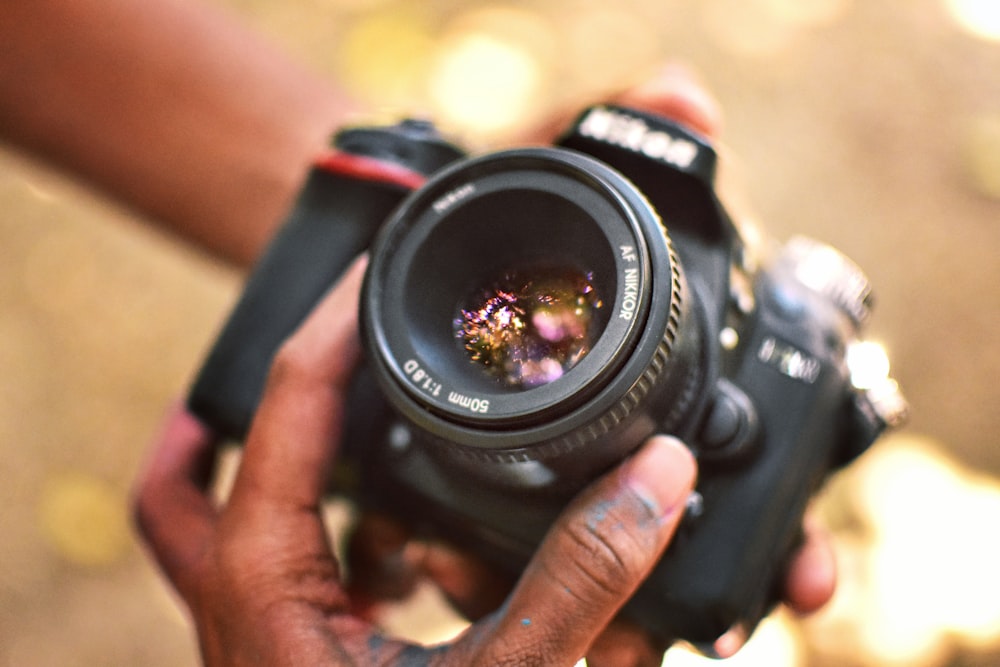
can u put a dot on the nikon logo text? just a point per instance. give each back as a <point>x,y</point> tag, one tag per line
<point>635,135</point>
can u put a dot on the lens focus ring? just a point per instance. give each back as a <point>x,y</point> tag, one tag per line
<point>530,212</point>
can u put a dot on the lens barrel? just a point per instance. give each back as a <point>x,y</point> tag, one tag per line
<point>529,212</point>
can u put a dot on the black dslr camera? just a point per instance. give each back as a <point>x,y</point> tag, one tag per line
<point>531,316</point>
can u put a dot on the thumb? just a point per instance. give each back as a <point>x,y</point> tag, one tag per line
<point>596,555</point>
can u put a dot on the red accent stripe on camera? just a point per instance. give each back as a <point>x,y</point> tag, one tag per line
<point>369,169</point>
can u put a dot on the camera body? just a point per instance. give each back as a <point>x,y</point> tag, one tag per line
<point>466,427</point>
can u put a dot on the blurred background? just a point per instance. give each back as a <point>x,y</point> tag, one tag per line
<point>872,125</point>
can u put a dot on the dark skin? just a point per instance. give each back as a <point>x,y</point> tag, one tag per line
<point>207,131</point>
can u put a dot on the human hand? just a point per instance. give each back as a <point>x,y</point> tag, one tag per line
<point>259,575</point>
<point>261,581</point>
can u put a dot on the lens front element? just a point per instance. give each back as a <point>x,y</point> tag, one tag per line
<point>528,328</point>
<point>520,297</point>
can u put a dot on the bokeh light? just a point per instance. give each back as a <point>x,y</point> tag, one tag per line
<point>978,17</point>
<point>384,56</point>
<point>490,68</point>
<point>482,81</point>
<point>83,518</point>
<point>930,517</point>
<point>868,363</point>
<point>919,574</point>
<point>776,643</point>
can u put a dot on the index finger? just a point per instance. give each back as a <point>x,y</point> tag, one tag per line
<point>170,503</point>
<point>293,438</point>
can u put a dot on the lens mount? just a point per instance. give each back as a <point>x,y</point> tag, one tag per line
<point>539,210</point>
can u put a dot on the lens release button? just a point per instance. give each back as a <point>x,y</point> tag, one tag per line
<point>723,423</point>
<point>730,428</point>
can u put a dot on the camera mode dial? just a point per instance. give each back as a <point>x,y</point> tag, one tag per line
<point>827,271</point>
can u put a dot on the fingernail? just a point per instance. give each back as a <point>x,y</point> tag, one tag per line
<point>184,433</point>
<point>181,422</point>
<point>663,474</point>
<point>730,643</point>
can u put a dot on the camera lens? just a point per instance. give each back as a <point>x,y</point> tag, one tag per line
<point>526,302</point>
<point>528,328</point>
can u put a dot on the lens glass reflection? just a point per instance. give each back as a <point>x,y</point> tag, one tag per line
<point>529,328</point>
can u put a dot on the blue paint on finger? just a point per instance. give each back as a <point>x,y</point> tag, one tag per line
<point>599,513</point>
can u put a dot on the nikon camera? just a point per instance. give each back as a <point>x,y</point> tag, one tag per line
<point>530,316</point>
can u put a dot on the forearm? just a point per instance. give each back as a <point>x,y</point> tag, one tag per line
<point>169,106</point>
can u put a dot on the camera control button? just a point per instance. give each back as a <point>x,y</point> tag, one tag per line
<point>828,272</point>
<point>730,427</point>
<point>723,423</point>
<point>694,508</point>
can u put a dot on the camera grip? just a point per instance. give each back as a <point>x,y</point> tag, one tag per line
<point>726,566</point>
<point>334,220</point>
